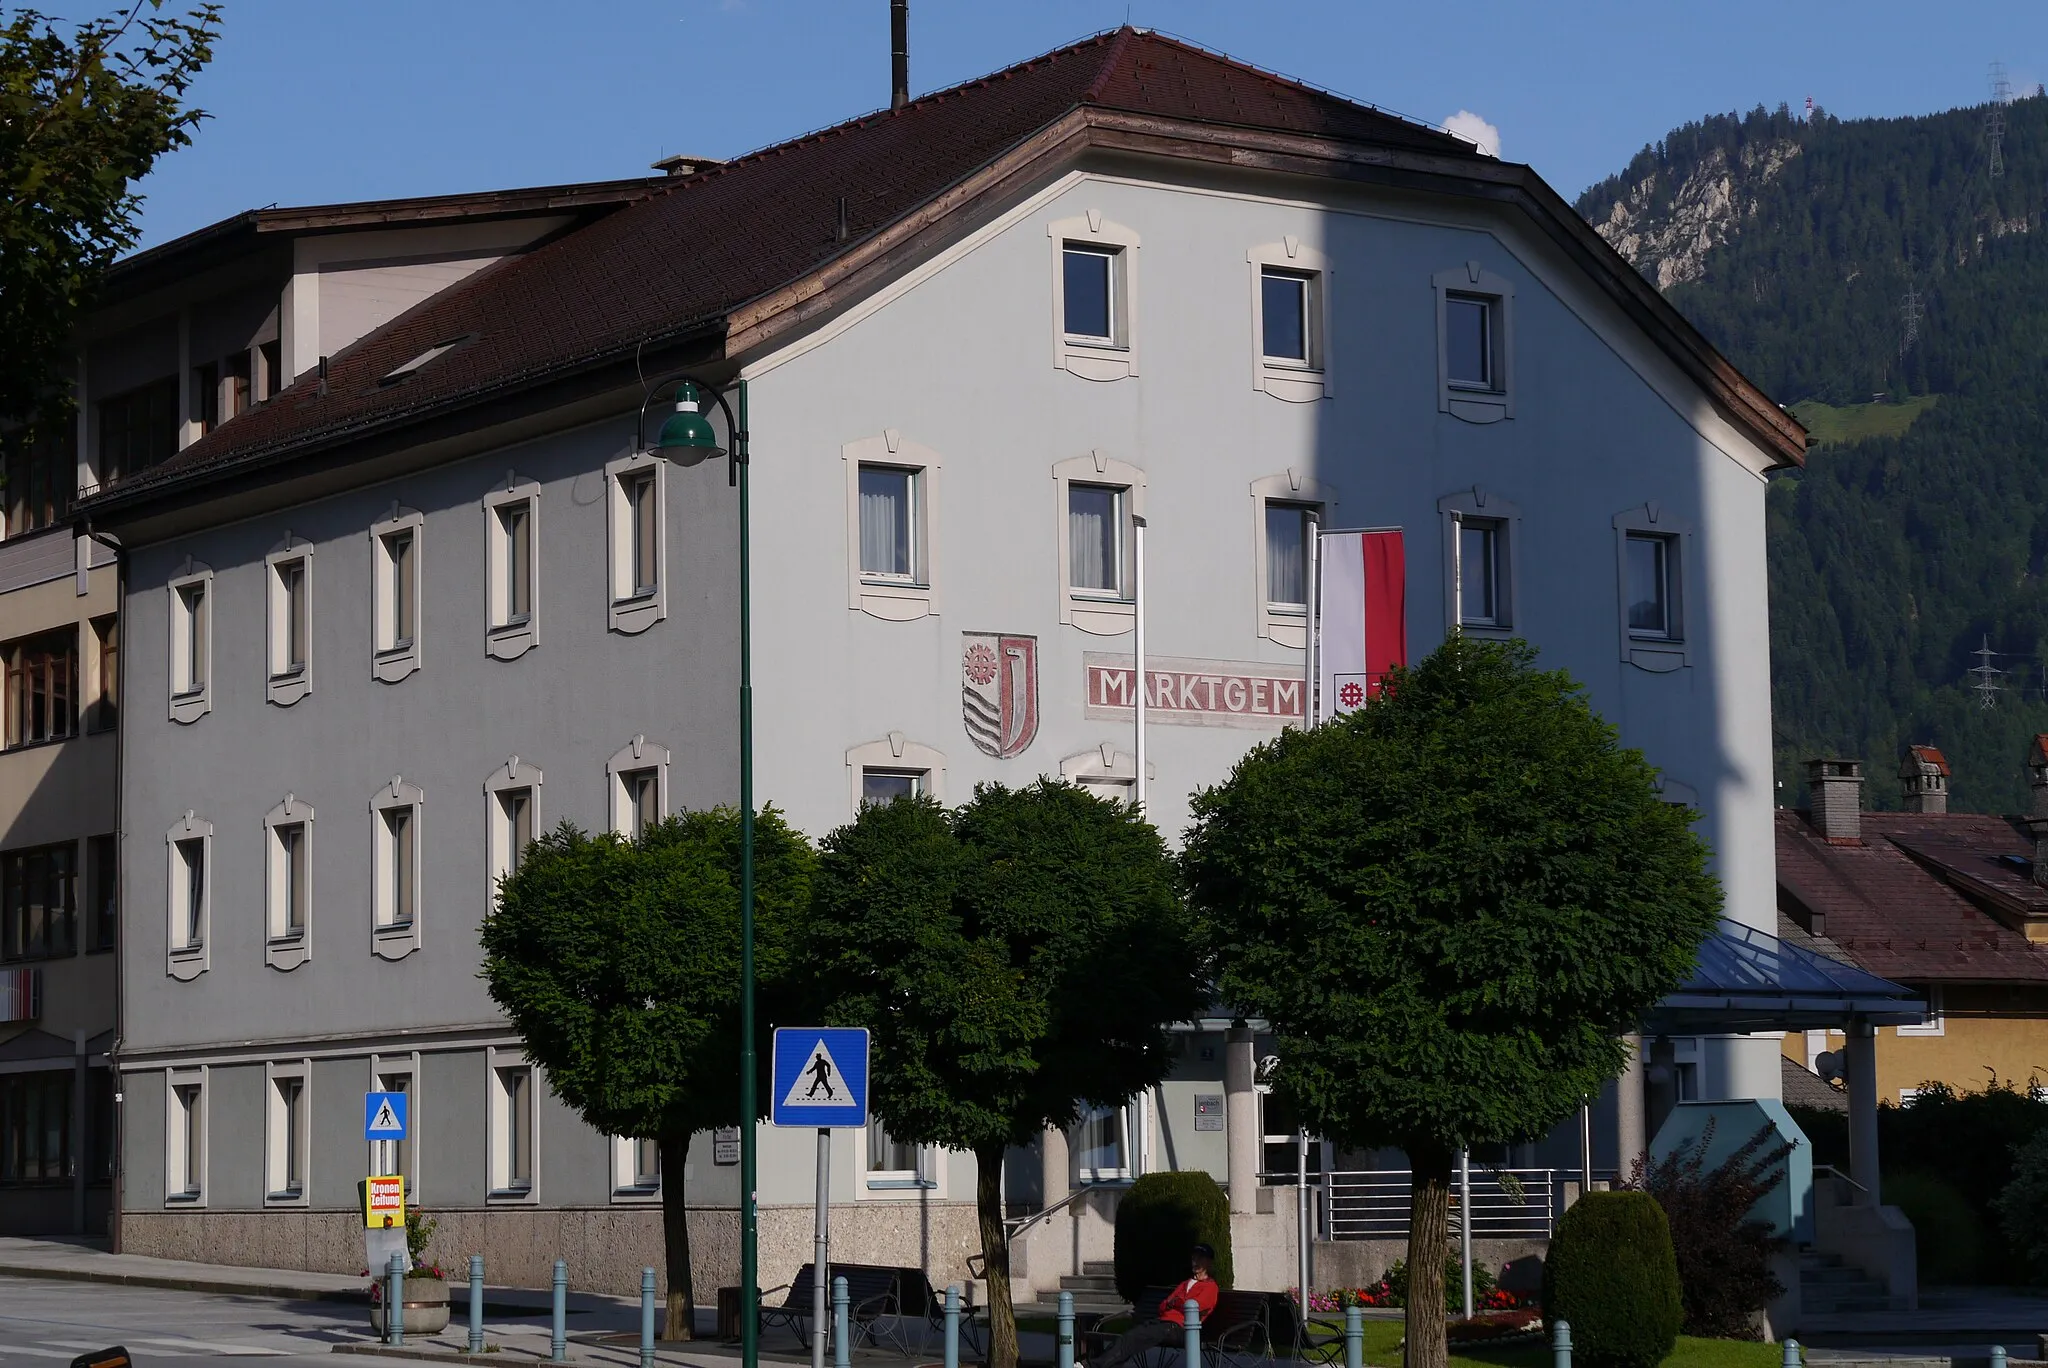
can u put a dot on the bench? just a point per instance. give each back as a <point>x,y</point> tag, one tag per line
<point>1238,1331</point>
<point>874,1293</point>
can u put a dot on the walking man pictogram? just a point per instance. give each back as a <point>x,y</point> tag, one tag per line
<point>821,1077</point>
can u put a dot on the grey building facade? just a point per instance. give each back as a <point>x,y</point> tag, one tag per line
<point>435,600</point>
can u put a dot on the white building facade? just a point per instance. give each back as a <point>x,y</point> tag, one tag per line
<point>434,602</point>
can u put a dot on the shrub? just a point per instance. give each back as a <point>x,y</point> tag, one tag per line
<point>1162,1217</point>
<point>1723,1255</point>
<point>1948,1233</point>
<point>1612,1274</point>
<point>2023,1207</point>
<point>1396,1283</point>
<point>1970,1141</point>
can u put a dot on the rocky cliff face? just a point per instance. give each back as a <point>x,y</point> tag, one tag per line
<point>1665,230</point>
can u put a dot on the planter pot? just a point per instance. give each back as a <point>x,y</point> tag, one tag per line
<point>426,1307</point>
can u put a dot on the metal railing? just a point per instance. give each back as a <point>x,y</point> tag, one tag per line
<point>1507,1204</point>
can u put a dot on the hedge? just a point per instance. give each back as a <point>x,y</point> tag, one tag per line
<point>1612,1274</point>
<point>1161,1218</point>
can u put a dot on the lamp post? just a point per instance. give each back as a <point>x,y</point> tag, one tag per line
<point>687,438</point>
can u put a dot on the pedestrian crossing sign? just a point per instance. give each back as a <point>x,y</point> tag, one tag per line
<point>820,1077</point>
<point>384,1116</point>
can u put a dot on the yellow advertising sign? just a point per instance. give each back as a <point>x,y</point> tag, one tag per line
<point>383,1202</point>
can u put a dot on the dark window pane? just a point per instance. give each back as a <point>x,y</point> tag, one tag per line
<point>1284,305</point>
<point>1468,341</point>
<point>1087,292</point>
<point>1649,607</point>
<point>138,429</point>
<point>886,786</point>
<point>1287,555</point>
<point>1476,576</point>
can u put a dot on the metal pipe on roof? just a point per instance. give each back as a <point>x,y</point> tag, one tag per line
<point>899,63</point>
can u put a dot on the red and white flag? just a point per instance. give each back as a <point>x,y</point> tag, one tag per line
<point>1363,585</point>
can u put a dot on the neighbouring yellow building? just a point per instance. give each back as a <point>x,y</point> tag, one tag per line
<point>1954,905</point>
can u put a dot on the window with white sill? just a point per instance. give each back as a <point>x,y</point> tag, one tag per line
<point>512,568</point>
<point>1291,284</point>
<point>1480,531</point>
<point>891,497</point>
<point>637,777</point>
<point>511,816</point>
<point>636,1168</point>
<point>1098,499</point>
<point>1094,297</point>
<point>288,884</point>
<point>395,816</point>
<point>191,642</point>
<point>513,1165</point>
<point>395,552</point>
<point>288,1147</point>
<point>185,1137</point>
<point>188,909</point>
<point>398,1074</point>
<point>289,626</point>
<point>1288,509</point>
<point>636,488</point>
<point>1475,354</point>
<point>1650,558</point>
<point>892,1165</point>
<point>892,768</point>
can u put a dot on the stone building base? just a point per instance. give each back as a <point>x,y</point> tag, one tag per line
<point>605,1247</point>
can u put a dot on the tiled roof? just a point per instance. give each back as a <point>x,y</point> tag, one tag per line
<point>1891,905</point>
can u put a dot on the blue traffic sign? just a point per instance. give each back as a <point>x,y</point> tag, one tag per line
<point>384,1116</point>
<point>820,1077</point>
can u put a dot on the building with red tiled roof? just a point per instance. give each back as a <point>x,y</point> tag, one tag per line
<point>1947,903</point>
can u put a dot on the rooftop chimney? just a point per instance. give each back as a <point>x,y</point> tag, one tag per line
<point>1923,780</point>
<point>683,164</point>
<point>899,40</point>
<point>2037,811</point>
<point>1837,795</point>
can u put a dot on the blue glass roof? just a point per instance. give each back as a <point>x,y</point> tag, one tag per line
<point>1750,980</point>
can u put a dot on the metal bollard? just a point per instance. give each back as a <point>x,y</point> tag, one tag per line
<point>842,1343</point>
<point>952,1325</point>
<point>1354,1337</point>
<point>646,1318</point>
<point>1066,1330</point>
<point>1561,1345</point>
<point>476,1303</point>
<point>558,1342</point>
<point>394,1299</point>
<point>1791,1358</point>
<point>1997,1356</point>
<point>1191,1338</point>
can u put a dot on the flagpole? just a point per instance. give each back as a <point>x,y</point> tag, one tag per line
<point>1310,664</point>
<point>1138,651</point>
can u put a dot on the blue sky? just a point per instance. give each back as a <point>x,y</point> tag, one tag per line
<point>329,101</point>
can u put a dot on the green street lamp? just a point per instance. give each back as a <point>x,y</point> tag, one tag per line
<point>688,439</point>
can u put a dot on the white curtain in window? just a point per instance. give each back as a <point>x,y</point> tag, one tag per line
<point>1092,514</point>
<point>885,522</point>
<point>1286,554</point>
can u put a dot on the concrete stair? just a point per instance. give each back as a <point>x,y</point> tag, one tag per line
<point>1827,1286</point>
<point>1093,1289</point>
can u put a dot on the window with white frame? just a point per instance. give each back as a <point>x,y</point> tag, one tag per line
<point>896,1164</point>
<point>1290,332</point>
<point>1098,499</point>
<point>395,556</point>
<point>1102,1145</point>
<point>637,777</point>
<point>891,490</point>
<point>1650,556</point>
<point>288,884</point>
<point>511,569</point>
<point>1475,344</point>
<point>191,609</point>
<point>189,906</point>
<point>894,767</point>
<point>636,497</point>
<point>398,1157</point>
<point>1106,772</point>
<point>512,1128</point>
<point>511,816</point>
<point>288,1149</point>
<point>1287,511</point>
<point>636,1168</point>
<point>1094,288</point>
<point>395,868</point>
<point>1935,1024</point>
<point>290,622</point>
<point>1479,530</point>
<point>185,1137</point>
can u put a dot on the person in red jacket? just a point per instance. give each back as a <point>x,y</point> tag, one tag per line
<point>1169,1329</point>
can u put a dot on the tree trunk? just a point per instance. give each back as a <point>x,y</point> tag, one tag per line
<point>995,1257</point>
<point>1429,1244</point>
<point>680,1317</point>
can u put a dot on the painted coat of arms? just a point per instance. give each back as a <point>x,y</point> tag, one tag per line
<point>999,691</point>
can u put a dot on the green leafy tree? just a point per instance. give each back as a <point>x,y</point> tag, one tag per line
<point>83,116</point>
<point>1013,958</point>
<point>1450,904</point>
<point>618,962</point>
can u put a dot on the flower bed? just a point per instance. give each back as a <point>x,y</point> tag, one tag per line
<point>1496,1327</point>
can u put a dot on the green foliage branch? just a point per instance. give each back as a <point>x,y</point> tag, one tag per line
<point>1450,904</point>
<point>1723,1252</point>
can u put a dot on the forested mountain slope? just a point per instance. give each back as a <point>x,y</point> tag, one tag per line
<point>1920,528</point>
